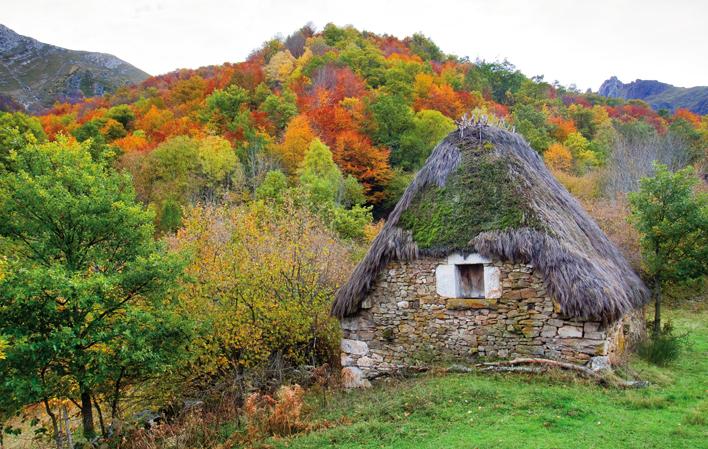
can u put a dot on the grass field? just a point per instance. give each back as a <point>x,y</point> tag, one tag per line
<point>522,411</point>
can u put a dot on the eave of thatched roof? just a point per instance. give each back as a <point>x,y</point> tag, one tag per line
<point>582,269</point>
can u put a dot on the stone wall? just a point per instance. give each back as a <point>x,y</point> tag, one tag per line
<point>404,322</point>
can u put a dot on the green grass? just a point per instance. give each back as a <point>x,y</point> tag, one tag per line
<point>520,411</point>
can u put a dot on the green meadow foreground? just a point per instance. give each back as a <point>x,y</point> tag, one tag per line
<point>520,411</point>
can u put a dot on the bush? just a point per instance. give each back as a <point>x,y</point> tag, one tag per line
<point>663,349</point>
<point>279,415</point>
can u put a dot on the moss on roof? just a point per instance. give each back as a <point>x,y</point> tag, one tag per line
<point>478,196</point>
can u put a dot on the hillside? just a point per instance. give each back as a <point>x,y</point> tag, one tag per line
<point>194,228</point>
<point>659,95</point>
<point>36,75</point>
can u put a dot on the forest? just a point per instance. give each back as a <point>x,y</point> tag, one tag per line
<point>177,244</point>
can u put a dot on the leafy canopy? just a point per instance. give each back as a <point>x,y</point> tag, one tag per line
<point>84,293</point>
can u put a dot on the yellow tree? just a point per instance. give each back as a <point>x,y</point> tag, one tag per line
<point>263,278</point>
<point>280,66</point>
<point>296,141</point>
<point>558,157</point>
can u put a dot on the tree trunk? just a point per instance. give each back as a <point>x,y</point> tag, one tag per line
<point>657,308</point>
<point>55,426</point>
<point>100,417</point>
<point>67,428</point>
<point>87,414</point>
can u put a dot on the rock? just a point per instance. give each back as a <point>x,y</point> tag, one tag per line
<point>345,359</point>
<point>355,347</point>
<point>350,323</point>
<point>466,304</point>
<point>599,363</point>
<point>365,362</point>
<point>354,378</point>
<point>402,304</point>
<point>548,331</point>
<point>570,332</point>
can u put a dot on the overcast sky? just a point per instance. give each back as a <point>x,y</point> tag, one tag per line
<point>572,41</point>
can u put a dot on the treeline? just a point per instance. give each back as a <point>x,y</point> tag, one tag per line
<point>183,238</point>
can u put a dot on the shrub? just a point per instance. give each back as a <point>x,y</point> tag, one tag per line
<point>279,415</point>
<point>664,348</point>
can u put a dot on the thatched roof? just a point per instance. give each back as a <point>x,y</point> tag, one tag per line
<point>489,192</point>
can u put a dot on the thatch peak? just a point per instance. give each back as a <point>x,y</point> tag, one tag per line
<point>483,189</point>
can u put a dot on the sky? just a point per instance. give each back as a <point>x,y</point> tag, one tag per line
<point>572,41</point>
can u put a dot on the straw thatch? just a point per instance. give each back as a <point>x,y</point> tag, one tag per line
<point>582,269</point>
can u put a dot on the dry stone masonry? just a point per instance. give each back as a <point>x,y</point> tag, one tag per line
<point>405,321</point>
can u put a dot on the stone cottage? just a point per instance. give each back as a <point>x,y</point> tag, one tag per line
<point>486,256</point>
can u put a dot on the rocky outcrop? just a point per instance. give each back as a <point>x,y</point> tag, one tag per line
<point>36,75</point>
<point>659,95</point>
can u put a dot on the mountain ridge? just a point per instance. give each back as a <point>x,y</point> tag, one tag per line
<point>35,74</point>
<point>658,94</point>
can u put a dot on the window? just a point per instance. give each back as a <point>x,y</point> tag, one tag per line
<point>467,277</point>
<point>470,278</point>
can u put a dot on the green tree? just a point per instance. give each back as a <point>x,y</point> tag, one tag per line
<point>273,186</point>
<point>173,169</point>
<point>226,110</point>
<point>531,123</point>
<point>329,193</point>
<point>392,117</point>
<point>280,109</point>
<point>16,131</point>
<point>425,48</point>
<point>84,301</point>
<point>319,175</point>
<point>170,217</point>
<point>673,222</point>
<point>429,128</point>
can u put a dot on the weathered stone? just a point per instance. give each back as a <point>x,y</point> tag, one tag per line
<point>590,326</point>
<point>408,316</point>
<point>350,323</point>
<point>465,304</point>
<point>346,359</point>
<point>570,332</point>
<point>353,377</point>
<point>549,331</point>
<point>354,347</point>
<point>599,363</point>
<point>365,362</point>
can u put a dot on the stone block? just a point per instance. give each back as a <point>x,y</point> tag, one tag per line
<point>350,323</point>
<point>591,326</point>
<point>365,362</point>
<point>527,293</point>
<point>549,331</point>
<point>355,347</point>
<point>570,332</point>
<point>599,363</point>
<point>467,304</point>
<point>346,359</point>
<point>353,377</point>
